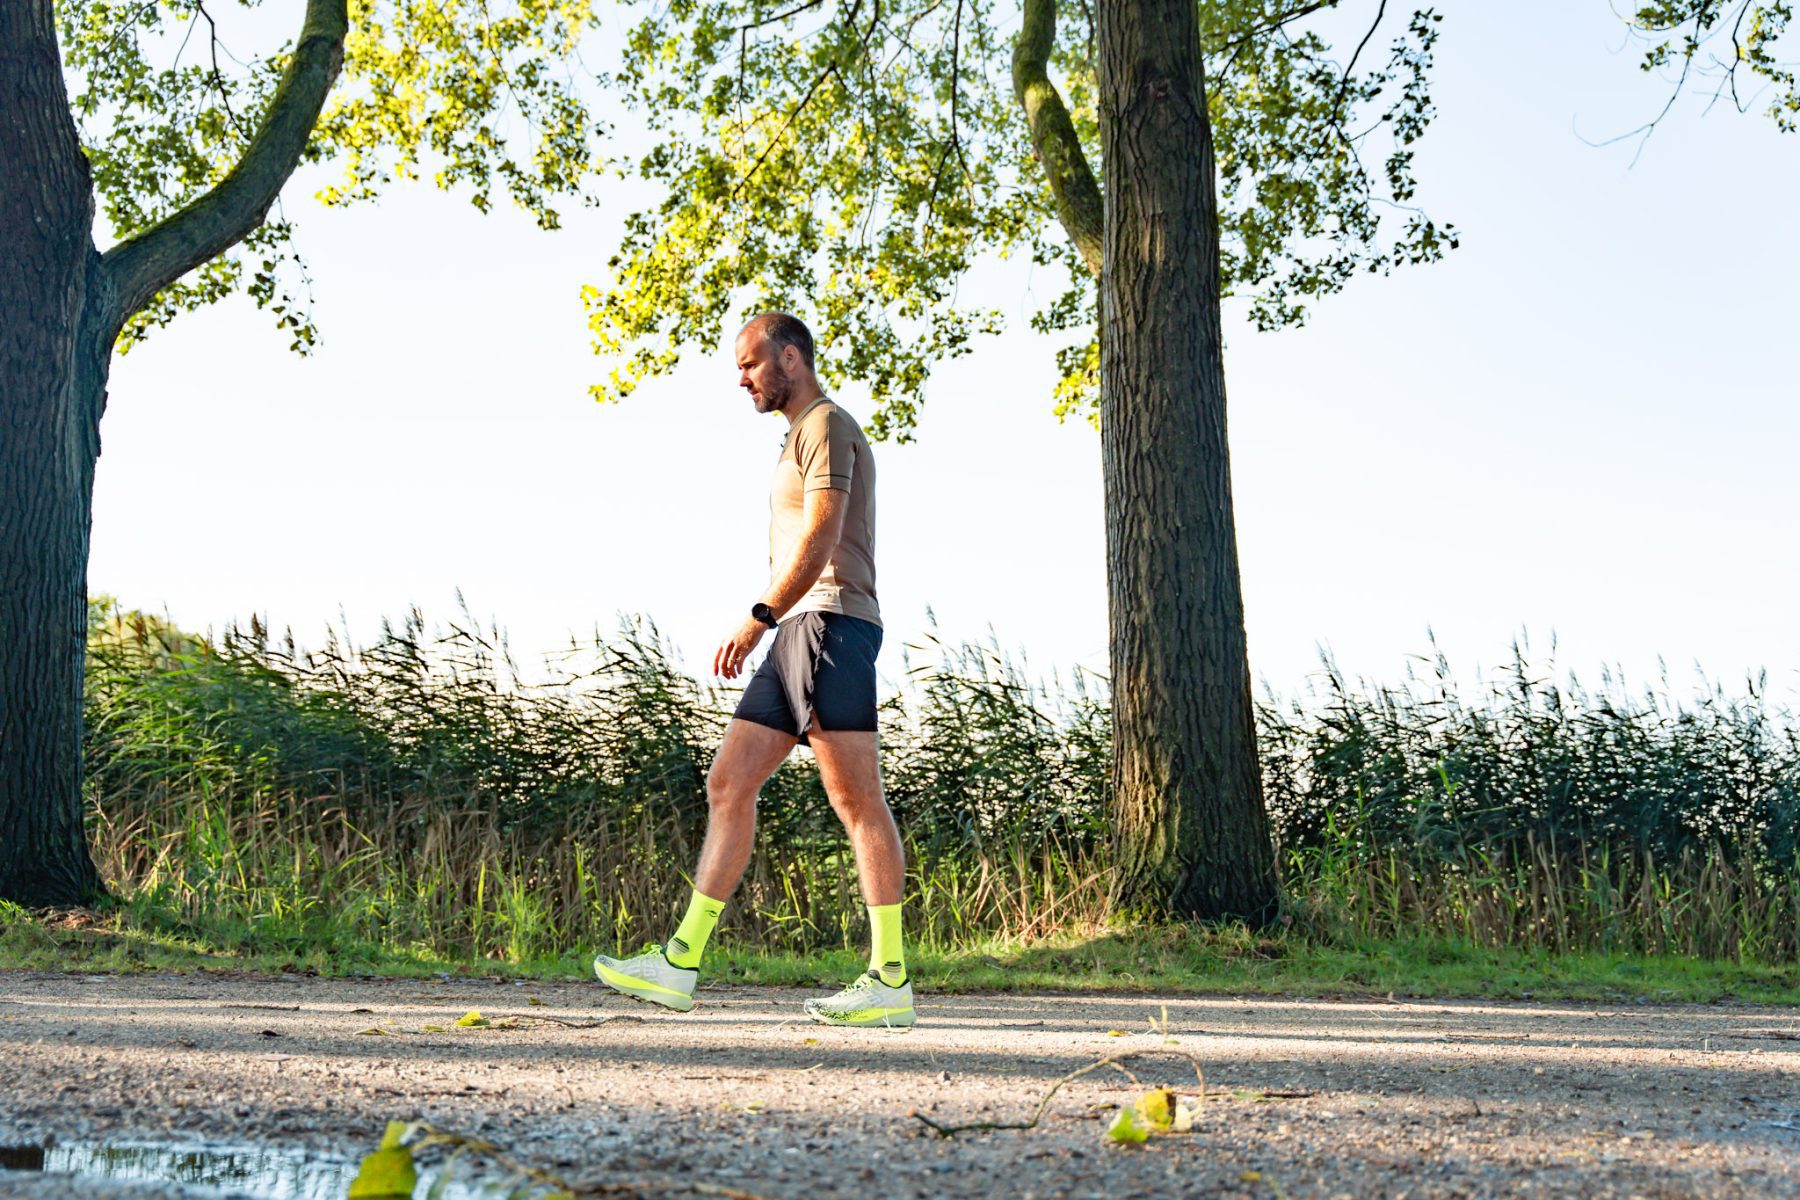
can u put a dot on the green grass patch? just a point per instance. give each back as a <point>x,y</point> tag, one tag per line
<point>1142,960</point>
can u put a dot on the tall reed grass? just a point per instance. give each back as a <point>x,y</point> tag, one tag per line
<point>420,792</point>
<point>1530,812</point>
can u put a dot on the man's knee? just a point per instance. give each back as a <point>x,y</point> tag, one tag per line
<point>727,797</point>
<point>854,807</point>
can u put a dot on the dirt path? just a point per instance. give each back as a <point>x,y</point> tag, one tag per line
<point>1306,1098</point>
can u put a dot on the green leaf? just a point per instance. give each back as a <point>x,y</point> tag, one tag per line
<point>472,1020</point>
<point>385,1174</point>
<point>394,1134</point>
<point>1127,1128</point>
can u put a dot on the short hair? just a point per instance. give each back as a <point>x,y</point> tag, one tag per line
<point>780,330</point>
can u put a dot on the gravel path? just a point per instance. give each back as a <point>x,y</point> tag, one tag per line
<point>1305,1098</point>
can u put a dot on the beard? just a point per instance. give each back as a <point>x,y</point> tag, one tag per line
<point>774,395</point>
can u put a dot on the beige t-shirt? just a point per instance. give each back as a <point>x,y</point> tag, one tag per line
<point>825,448</point>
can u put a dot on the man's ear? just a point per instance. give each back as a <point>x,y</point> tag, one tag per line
<point>791,362</point>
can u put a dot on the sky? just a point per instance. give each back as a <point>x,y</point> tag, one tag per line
<point>1580,428</point>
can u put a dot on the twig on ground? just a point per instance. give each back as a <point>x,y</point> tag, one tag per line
<point>615,1019</point>
<point>1043,1104</point>
<point>1257,1094</point>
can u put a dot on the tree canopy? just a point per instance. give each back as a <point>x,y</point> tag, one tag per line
<point>850,159</point>
<point>1729,48</point>
<point>486,95</point>
<point>856,159</point>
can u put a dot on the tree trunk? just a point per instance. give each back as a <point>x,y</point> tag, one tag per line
<point>53,361</point>
<point>1191,837</point>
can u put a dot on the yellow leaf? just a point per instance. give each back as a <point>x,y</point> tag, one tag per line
<point>1126,1128</point>
<point>372,1031</point>
<point>1117,1033</point>
<point>1158,1108</point>
<point>432,1029</point>
<point>471,1020</point>
<point>385,1174</point>
<point>533,1000</point>
<point>1250,1177</point>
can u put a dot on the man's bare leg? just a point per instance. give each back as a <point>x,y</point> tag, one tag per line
<point>667,974</point>
<point>850,768</point>
<point>746,759</point>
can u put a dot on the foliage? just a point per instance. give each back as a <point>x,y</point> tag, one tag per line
<point>853,161</point>
<point>1730,46</point>
<point>418,796</point>
<point>480,92</point>
<point>849,160</point>
<point>1531,760</point>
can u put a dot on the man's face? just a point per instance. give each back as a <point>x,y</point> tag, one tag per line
<point>761,372</point>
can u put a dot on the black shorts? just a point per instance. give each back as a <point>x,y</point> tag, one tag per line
<point>820,673</point>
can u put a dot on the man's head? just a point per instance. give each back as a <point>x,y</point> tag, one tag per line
<point>775,356</point>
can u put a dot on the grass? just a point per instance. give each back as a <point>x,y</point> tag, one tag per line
<point>1140,960</point>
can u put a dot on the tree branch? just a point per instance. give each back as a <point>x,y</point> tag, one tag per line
<point>142,266</point>
<point>1072,183</point>
<point>1337,105</point>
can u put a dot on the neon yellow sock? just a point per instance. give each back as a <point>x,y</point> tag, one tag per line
<point>684,948</point>
<point>886,958</point>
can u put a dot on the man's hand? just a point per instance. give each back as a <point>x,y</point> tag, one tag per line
<point>728,659</point>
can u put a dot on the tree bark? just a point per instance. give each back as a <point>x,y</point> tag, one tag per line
<point>1191,836</point>
<point>62,305</point>
<point>52,386</point>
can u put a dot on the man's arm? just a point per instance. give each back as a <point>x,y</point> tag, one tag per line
<point>825,509</point>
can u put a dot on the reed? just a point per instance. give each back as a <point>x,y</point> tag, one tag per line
<point>420,794</point>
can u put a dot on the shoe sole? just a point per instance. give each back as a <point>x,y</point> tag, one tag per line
<point>903,1019</point>
<point>638,989</point>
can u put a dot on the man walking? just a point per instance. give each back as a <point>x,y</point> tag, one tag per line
<point>817,686</point>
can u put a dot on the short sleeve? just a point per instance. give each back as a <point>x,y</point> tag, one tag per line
<point>825,452</point>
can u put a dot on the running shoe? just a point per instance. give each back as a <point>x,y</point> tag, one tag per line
<point>866,1002</point>
<point>650,976</point>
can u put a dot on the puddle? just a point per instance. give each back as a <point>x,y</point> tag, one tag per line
<point>253,1171</point>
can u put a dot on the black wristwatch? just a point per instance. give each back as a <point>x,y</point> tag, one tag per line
<point>765,614</point>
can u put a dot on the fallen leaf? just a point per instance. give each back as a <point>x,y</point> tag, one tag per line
<point>472,1020</point>
<point>372,1031</point>
<point>385,1174</point>
<point>1126,1128</point>
<point>1117,1033</point>
<point>1157,1108</point>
